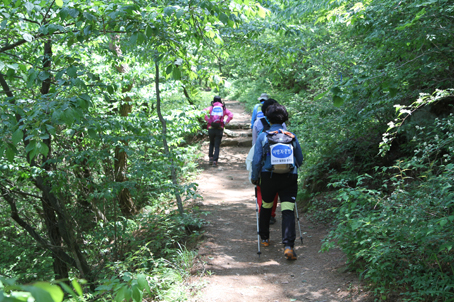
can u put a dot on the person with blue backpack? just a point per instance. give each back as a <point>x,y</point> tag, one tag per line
<point>261,125</point>
<point>215,125</point>
<point>257,112</point>
<point>277,157</point>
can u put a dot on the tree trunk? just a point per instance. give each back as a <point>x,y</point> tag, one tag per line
<point>166,147</point>
<point>60,268</point>
<point>56,219</point>
<point>125,201</point>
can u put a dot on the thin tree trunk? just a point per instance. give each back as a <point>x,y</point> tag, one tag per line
<point>166,147</point>
<point>188,98</point>
<point>56,219</point>
<point>61,270</point>
<point>125,201</point>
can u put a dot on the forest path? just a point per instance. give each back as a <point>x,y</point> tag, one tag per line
<point>229,250</point>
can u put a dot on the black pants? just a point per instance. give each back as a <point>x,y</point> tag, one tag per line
<point>215,142</point>
<point>286,185</point>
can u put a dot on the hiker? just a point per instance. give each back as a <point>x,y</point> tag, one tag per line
<point>257,112</point>
<point>260,125</point>
<point>277,178</point>
<point>215,125</point>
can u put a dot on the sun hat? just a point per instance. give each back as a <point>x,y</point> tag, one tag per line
<point>263,96</point>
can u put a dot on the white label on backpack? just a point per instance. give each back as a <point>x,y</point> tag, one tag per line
<point>217,111</point>
<point>281,154</point>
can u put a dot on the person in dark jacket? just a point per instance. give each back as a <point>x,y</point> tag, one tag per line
<point>271,182</point>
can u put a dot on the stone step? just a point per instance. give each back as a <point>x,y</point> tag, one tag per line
<point>236,142</point>
<point>243,125</point>
<point>231,133</point>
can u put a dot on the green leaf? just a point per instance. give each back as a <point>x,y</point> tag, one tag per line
<point>127,294</point>
<point>224,19</point>
<point>338,101</point>
<point>180,13</point>
<point>141,37</point>
<point>392,92</point>
<point>77,287</point>
<point>59,2</point>
<point>142,282</point>
<point>149,32</point>
<point>261,12</point>
<point>54,290</point>
<point>176,73</point>
<point>17,136</point>
<point>39,294</point>
<point>320,95</point>
<point>169,10</point>
<point>31,146</point>
<point>169,69</point>
<point>120,297</point>
<point>92,133</point>
<point>67,289</point>
<point>42,148</point>
<point>71,71</point>
<point>10,152</point>
<point>43,75</point>
<point>336,90</point>
<point>136,294</point>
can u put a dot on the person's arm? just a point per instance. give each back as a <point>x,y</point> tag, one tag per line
<point>257,160</point>
<point>254,134</point>
<point>254,115</point>
<point>229,115</point>
<point>298,153</point>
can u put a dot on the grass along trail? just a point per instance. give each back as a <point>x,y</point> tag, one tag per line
<point>236,273</point>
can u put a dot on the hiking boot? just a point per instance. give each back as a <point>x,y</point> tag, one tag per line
<point>289,253</point>
<point>272,220</point>
<point>211,161</point>
<point>215,164</point>
<point>265,242</point>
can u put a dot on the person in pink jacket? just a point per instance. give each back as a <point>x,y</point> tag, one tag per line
<point>215,125</point>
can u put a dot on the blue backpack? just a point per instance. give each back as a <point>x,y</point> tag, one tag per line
<point>278,151</point>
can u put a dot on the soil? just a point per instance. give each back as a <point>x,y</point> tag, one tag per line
<point>230,268</point>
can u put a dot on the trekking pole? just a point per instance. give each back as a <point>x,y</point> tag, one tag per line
<point>257,215</point>
<point>298,219</point>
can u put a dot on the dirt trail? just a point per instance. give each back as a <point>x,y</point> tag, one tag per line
<point>229,250</point>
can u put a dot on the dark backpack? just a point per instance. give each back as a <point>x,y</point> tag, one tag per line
<point>280,150</point>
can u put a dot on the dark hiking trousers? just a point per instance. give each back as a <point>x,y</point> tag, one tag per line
<point>286,185</point>
<point>215,142</point>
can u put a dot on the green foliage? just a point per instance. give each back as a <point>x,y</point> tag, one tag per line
<point>343,69</point>
<point>80,132</point>
<point>40,291</point>
<point>400,237</point>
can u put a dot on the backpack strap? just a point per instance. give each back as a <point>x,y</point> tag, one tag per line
<point>265,124</point>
